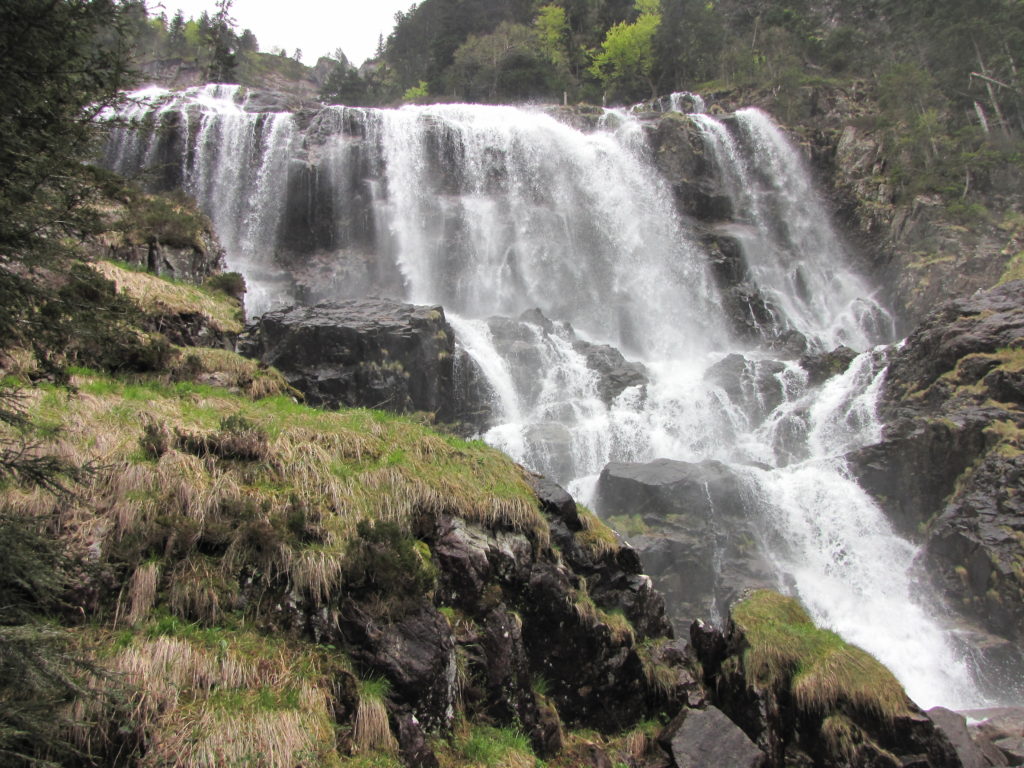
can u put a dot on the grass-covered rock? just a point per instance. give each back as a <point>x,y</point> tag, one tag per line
<point>807,697</point>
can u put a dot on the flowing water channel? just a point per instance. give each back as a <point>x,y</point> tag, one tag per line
<point>495,211</point>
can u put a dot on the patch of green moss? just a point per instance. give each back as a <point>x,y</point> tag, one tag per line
<point>821,670</point>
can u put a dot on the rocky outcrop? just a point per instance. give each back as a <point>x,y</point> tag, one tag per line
<point>924,253</point>
<point>370,353</point>
<point>951,460</point>
<point>689,523</point>
<point>753,680</point>
<point>707,737</point>
<point>506,596</point>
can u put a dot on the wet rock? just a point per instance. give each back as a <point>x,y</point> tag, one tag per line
<point>982,323</point>
<point>824,365</point>
<point>697,738</point>
<point>754,386</point>
<point>679,153</point>
<point>701,545</point>
<point>372,353</point>
<point>954,727</point>
<point>951,459</point>
<point>1003,729</point>
<point>527,344</point>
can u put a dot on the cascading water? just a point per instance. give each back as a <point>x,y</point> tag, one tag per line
<point>497,211</point>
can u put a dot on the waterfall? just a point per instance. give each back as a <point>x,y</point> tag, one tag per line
<point>545,243</point>
<point>796,257</point>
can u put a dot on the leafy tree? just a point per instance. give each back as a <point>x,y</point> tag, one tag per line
<point>345,86</point>
<point>503,65</point>
<point>554,35</point>
<point>64,62</point>
<point>625,63</point>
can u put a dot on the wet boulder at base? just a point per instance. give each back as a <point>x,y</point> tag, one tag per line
<point>691,526</point>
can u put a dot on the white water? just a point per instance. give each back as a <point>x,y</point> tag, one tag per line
<point>493,211</point>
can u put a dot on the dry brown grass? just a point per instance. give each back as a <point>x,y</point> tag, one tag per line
<point>155,295</point>
<point>220,367</point>
<point>596,537</point>
<point>372,730</point>
<point>285,517</point>
<point>142,591</point>
<point>221,699</point>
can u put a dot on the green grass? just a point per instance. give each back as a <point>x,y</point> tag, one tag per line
<point>821,670</point>
<point>484,746</point>
<point>629,525</point>
<point>595,537</point>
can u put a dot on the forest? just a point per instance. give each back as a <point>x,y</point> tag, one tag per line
<point>942,78</point>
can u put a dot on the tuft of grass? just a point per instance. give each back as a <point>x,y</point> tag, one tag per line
<point>484,746</point>
<point>142,590</point>
<point>629,525</point>
<point>660,677</point>
<point>595,537</point>
<point>228,369</point>
<point>157,296</point>
<point>821,670</point>
<point>372,730</point>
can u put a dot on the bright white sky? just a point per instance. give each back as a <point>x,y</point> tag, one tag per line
<point>318,27</point>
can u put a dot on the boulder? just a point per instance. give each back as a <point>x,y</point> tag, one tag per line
<point>706,737</point>
<point>753,386</point>
<point>701,548</point>
<point>824,365</point>
<point>1001,729</point>
<point>370,353</point>
<point>954,727</point>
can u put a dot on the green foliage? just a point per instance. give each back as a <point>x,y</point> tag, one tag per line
<point>625,63</point>
<point>229,283</point>
<point>504,65</point>
<point>39,671</point>
<point>489,747</point>
<point>345,86</point>
<point>416,92</point>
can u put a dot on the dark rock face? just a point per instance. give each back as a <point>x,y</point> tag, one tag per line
<point>825,365</point>
<point>949,467</point>
<point>697,738</point>
<point>372,353</point>
<point>788,735</point>
<point>701,548</point>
